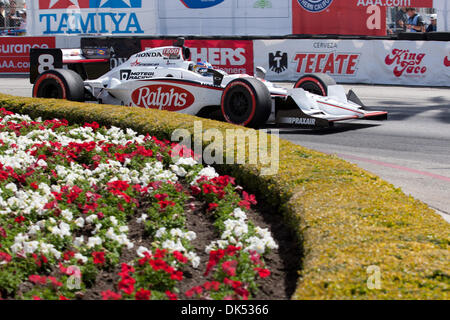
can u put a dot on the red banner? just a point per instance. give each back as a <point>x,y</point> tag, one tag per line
<point>15,52</point>
<point>345,17</point>
<point>231,56</point>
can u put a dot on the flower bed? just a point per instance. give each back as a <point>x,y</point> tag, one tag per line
<point>68,194</point>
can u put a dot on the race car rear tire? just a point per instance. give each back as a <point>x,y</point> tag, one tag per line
<point>246,102</point>
<point>59,84</point>
<point>316,83</point>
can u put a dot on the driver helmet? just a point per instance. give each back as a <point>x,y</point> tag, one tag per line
<point>202,67</point>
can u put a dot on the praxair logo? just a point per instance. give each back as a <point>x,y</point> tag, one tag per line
<point>315,5</point>
<point>201,4</point>
<point>101,20</point>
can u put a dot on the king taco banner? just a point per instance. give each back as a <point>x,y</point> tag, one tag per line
<point>357,61</point>
<point>77,17</point>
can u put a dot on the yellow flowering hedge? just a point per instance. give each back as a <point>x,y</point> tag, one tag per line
<point>350,223</point>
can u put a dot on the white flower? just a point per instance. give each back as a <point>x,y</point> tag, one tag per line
<point>239,214</point>
<point>41,163</point>
<point>78,242</point>
<point>176,233</point>
<point>113,220</point>
<point>79,256</point>
<point>67,214</point>
<point>11,186</point>
<point>190,235</point>
<point>91,218</point>
<point>142,250</point>
<point>79,222</point>
<point>186,162</point>
<point>142,218</point>
<point>94,241</point>
<point>160,233</point>
<point>179,171</point>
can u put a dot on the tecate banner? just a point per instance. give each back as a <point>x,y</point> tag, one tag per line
<point>75,17</point>
<point>231,56</point>
<point>357,61</point>
<point>15,52</point>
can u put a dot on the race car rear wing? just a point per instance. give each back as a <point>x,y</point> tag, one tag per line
<point>91,67</point>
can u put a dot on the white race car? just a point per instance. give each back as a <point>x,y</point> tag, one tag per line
<point>165,79</point>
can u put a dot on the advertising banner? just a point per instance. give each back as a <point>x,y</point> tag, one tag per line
<point>357,61</point>
<point>15,52</point>
<point>232,56</point>
<point>225,17</point>
<point>77,17</point>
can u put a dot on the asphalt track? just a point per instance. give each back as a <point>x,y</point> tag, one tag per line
<point>411,150</point>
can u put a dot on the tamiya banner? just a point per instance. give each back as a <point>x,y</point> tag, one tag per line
<point>357,61</point>
<point>15,52</point>
<point>231,56</point>
<point>78,17</point>
<point>225,17</point>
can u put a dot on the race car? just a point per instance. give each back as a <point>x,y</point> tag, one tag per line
<point>164,78</point>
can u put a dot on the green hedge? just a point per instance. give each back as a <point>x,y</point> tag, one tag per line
<point>346,218</point>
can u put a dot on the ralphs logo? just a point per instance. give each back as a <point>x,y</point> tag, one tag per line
<point>162,97</point>
<point>315,5</point>
<point>201,4</point>
<point>343,64</point>
<point>406,63</point>
<point>102,20</point>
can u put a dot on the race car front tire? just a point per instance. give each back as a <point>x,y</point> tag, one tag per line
<point>316,83</point>
<point>59,84</point>
<point>246,102</point>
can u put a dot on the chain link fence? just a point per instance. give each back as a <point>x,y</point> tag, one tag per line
<point>13,17</point>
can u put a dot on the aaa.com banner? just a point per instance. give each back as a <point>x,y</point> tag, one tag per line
<point>75,17</point>
<point>15,52</point>
<point>357,61</point>
<point>231,56</point>
<point>346,17</point>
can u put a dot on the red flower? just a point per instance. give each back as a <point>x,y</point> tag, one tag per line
<point>34,185</point>
<point>194,291</point>
<point>214,258</point>
<point>118,185</point>
<point>68,255</point>
<point>5,257</point>
<point>127,268</point>
<point>171,296</point>
<point>2,233</point>
<point>180,257</point>
<point>100,215</point>
<point>37,279</point>
<point>55,281</point>
<point>229,267</point>
<point>248,200</point>
<point>161,197</point>
<point>195,190</point>
<point>178,276</point>
<point>99,257</point>
<point>232,250</point>
<point>212,206</point>
<point>142,294</point>
<point>164,204</point>
<point>210,286</point>
<point>158,264</point>
<point>36,298</point>
<point>109,295</point>
<point>127,285</point>
<point>242,292</point>
<point>263,273</point>
<point>94,125</point>
<point>20,219</point>
<point>63,298</point>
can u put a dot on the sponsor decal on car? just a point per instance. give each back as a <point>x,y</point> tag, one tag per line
<point>162,97</point>
<point>155,54</point>
<point>278,62</point>
<point>107,18</point>
<point>344,64</point>
<point>172,53</point>
<point>406,63</point>
<point>131,75</point>
<point>231,56</point>
<point>298,121</point>
<point>315,5</point>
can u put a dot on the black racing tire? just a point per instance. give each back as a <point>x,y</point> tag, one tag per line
<point>246,102</point>
<point>316,83</point>
<point>59,84</point>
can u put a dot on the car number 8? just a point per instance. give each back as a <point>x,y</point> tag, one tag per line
<point>46,62</point>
